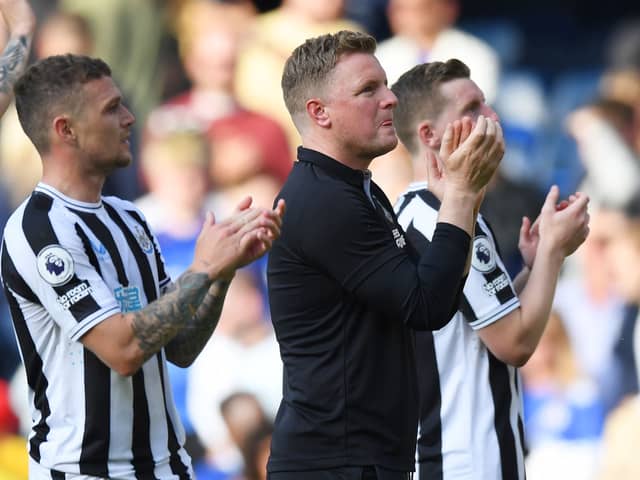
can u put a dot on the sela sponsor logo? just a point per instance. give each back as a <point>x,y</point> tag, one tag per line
<point>99,249</point>
<point>399,238</point>
<point>128,298</point>
<point>483,257</point>
<point>55,265</point>
<point>73,296</point>
<point>143,239</point>
<point>496,284</point>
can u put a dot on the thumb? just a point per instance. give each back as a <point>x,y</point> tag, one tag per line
<point>210,218</point>
<point>552,199</point>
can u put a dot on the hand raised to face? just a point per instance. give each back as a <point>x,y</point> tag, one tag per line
<point>469,163</point>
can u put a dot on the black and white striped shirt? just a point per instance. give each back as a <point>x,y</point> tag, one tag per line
<point>67,266</point>
<point>470,403</point>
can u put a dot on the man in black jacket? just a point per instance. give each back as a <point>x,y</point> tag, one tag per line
<point>346,290</point>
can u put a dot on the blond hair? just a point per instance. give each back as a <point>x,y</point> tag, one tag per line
<point>310,64</point>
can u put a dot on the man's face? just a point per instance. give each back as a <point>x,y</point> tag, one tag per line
<point>462,98</point>
<point>360,107</point>
<point>103,126</point>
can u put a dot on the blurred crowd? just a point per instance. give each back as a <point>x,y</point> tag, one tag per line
<point>203,79</point>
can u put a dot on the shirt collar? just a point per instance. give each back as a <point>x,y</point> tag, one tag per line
<point>331,166</point>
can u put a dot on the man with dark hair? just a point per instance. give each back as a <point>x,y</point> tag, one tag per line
<point>346,290</point>
<point>94,311</point>
<point>470,406</point>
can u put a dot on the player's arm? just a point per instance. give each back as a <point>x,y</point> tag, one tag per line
<point>21,22</point>
<point>514,337</point>
<point>125,341</point>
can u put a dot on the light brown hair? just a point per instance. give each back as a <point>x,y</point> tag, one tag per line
<point>310,65</point>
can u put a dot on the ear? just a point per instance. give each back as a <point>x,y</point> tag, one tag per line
<point>64,130</point>
<point>318,113</point>
<point>427,135</point>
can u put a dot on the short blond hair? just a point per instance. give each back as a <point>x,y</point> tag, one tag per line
<point>310,64</point>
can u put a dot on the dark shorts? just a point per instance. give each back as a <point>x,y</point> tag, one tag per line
<point>343,473</point>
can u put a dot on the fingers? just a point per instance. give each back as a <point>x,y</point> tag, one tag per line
<point>456,127</point>
<point>209,219</point>
<point>552,199</point>
<point>525,228</point>
<point>467,127</point>
<point>536,226</point>
<point>577,201</point>
<point>478,135</point>
<point>280,208</point>
<point>446,145</point>
<point>244,204</point>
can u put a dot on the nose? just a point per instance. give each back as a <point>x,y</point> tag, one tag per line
<point>390,100</point>
<point>128,118</point>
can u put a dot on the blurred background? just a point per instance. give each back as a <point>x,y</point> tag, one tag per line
<point>202,78</point>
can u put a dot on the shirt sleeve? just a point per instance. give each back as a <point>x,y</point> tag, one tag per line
<point>488,293</point>
<point>63,279</point>
<point>360,250</point>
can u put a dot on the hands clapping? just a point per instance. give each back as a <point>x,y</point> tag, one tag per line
<point>469,156</point>
<point>246,235</point>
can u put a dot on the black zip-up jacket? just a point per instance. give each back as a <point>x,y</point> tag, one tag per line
<point>346,292</point>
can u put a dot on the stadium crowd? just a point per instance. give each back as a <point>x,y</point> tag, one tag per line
<point>203,78</point>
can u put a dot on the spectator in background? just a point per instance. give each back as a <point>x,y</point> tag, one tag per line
<point>244,144</point>
<point>256,452</point>
<point>242,355</point>
<point>607,129</point>
<point>591,309</point>
<point>624,261</point>
<point>423,31</point>
<point>128,35</point>
<point>270,41</point>
<point>18,22</point>
<point>19,160</point>
<point>371,14</point>
<point>619,453</point>
<point>174,168</point>
<point>563,411</point>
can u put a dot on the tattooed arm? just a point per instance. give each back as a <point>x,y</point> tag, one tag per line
<point>190,341</point>
<point>125,341</point>
<point>21,22</point>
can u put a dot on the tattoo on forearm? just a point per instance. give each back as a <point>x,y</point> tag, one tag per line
<point>157,323</point>
<point>12,61</point>
<point>186,346</point>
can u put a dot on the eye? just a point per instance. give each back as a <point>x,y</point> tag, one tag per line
<point>368,89</point>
